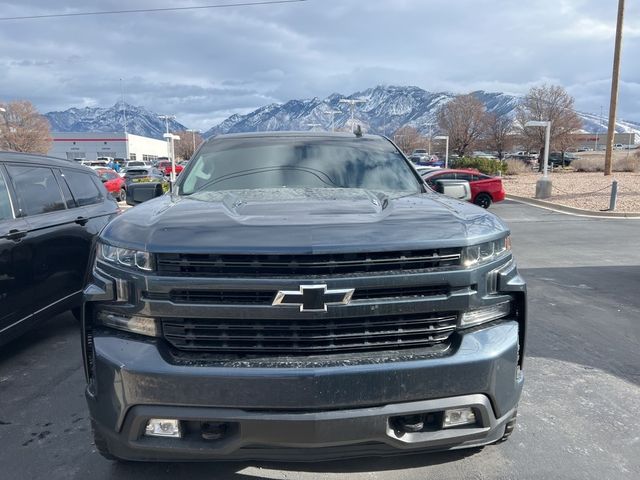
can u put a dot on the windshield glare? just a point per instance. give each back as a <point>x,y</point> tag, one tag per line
<point>255,163</point>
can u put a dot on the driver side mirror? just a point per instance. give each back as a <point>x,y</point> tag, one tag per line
<point>458,189</point>
<point>141,192</point>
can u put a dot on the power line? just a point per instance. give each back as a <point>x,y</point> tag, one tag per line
<point>152,10</point>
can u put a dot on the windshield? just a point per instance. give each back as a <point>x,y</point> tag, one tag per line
<point>299,162</point>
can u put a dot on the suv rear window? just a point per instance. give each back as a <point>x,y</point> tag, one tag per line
<point>82,187</point>
<point>37,189</point>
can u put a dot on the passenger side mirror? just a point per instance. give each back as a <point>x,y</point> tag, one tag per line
<point>141,192</point>
<point>458,189</point>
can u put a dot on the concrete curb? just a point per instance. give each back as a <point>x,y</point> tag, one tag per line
<point>570,210</point>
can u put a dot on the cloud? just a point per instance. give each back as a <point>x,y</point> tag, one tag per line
<point>204,65</point>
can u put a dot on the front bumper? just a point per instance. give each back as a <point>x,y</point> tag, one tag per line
<point>303,413</point>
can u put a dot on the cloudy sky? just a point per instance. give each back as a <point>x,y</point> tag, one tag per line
<point>204,65</point>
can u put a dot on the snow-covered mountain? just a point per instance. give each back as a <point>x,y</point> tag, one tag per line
<point>386,108</point>
<point>140,121</point>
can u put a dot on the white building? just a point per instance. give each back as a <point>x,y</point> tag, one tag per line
<point>88,145</point>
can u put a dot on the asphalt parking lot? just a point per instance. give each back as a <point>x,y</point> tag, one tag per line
<point>579,415</point>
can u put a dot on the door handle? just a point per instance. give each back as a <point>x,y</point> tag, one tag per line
<point>82,221</point>
<point>16,235</point>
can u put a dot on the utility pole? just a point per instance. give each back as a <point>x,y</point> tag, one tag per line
<point>615,78</point>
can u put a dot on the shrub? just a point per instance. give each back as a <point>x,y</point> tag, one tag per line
<point>484,165</point>
<point>587,164</point>
<point>516,167</point>
<point>627,164</point>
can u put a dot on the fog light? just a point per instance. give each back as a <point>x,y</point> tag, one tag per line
<point>163,427</point>
<point>485,314</point>
<point>134,323</point>
<point>458,416</point>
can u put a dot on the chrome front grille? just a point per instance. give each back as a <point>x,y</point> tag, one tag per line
<point>206,296</point>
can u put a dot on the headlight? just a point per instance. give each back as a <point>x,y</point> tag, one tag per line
<point>485,252</point>
<point>125,257</point>
<point>135,324</point>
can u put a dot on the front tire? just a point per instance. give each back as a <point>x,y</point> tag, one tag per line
<point>123,195</point>
<point>483,200</point>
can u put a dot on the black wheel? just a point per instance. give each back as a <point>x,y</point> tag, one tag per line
<point>508,430</point>
<point>483,200</point>
<point>123,195</point>
<point>101,444</point>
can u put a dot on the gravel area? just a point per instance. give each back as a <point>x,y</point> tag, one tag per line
<point>589,191</point>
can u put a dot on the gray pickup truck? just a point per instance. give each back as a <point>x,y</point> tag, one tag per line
<point>301,296</point>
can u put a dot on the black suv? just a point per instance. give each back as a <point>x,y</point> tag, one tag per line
<point>50,212</point>
<point>301,296</point>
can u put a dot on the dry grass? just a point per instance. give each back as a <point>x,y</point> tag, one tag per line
<point>620,164</point>
<point>516,167</point>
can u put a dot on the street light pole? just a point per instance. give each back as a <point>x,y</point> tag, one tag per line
<point>352,102</point>
<point>446,148</point>
<point>543,185</point>
<point>193,138</point>
<point>333,114</point>
<point>166,119</point>
<point>170,141</point>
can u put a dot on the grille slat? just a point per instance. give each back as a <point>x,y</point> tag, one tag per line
<point>265,297</point>
<point>175,264</point>
<point>305,336</point>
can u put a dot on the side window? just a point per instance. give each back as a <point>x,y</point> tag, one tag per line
<point>6,212</point>
<point>463,176</point>
<point>36,188</point>
<point>84,190</point>
<point>66,193</point>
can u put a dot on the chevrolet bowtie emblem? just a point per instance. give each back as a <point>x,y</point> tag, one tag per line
<point>313,298</point>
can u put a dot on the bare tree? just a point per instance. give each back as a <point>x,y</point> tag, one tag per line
<point>23,129</point>
<point>499,135</point>
<point>188,143</point>
<point>553,103</point>
<point>408,139</point>
<point>463,119</point>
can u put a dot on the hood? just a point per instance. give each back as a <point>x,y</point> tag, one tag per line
<point>301,221</point>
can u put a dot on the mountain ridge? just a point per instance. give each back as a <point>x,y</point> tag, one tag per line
<point>139,120</point>
<point>387,108</point>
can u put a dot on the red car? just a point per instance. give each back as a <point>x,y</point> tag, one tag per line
<point>113,182</point>
<point>485,189</point>
<point>165,167</point>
